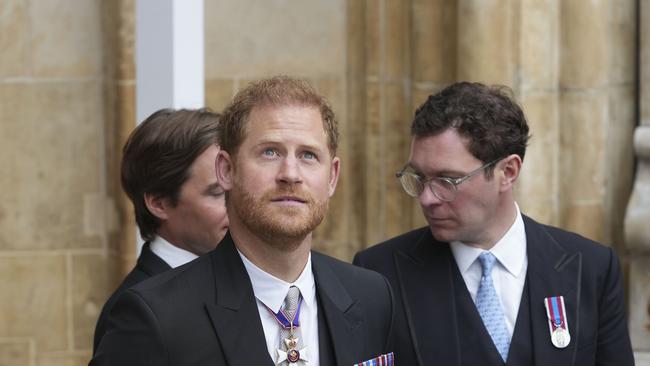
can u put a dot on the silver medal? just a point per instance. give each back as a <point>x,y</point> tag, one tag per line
<point>560,337</point>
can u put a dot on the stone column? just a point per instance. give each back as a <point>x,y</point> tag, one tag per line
<point>583,116</point>
<point>433,64</point>
<point>637,218</point>
<point>487,41</point>
<point>537,189</point>
<point>386,78</point>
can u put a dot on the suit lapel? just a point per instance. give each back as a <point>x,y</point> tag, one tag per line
<point>234,314</point>
<point>552,271</point>
<point>339,311</point>
<point>425,277</point>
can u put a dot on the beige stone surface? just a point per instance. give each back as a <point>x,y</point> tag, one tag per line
<point>64,358</point>
<point>33,302</point>
<point>539,174</point>
<point>374,152</point>
<point>53,153</point>
<point>644,59</point>
<point>126,40</point>
<point>121,126</point>
<point>539,49</point>
<point>15,352</point>
<point>433,38</point>
<point>583,118</point>
<point>244,39</point>
<point>484,41</point>
<point>374,30</point>
<point>396,39</point>
<point>89,290</point>
<point>335,228</point>
<point>586,219</point>
<point>640,302</point>
<point>622,41</point>
<point>540,210</point>
<point>355,33</point>
<point>14,38</point>
<point>218,93</point>
<point>355,129</point>
<point>66,38</point>
<point>583,53</point>
<point>619,166</point>
<point>396,149</point>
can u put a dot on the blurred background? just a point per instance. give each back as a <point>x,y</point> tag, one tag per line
<point>67,104</point>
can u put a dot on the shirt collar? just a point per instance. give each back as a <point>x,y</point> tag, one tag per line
<point>271,290</point>
<point>510,250</point>
<point>171,254</point>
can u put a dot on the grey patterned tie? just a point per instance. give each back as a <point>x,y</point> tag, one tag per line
<point>291,351</point>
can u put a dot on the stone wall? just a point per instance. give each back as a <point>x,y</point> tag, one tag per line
<point>638,211</point>
<point>67,89</point>
<point>54,207</point>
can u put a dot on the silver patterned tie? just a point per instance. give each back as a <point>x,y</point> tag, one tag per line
<point>291,351</point>
<point>489,307</point>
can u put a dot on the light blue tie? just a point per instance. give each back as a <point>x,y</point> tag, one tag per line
<point>489,307</point>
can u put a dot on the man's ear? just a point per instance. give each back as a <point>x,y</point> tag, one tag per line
<point>334,175</point>
<point>157,205</point>
<point>510,169</point>
<point>223,167</point>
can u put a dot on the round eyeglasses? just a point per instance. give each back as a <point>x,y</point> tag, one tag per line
<point>444,188</point>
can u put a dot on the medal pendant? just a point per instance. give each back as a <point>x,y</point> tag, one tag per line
<point>293,356</point>
<point>560,337</point>
<point>291,342</point>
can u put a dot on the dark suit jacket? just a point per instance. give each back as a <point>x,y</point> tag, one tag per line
<point>205,313</point>
<point>148,265</point>
<point>587,274</point>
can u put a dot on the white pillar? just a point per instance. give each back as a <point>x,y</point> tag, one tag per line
<point>169,57</point>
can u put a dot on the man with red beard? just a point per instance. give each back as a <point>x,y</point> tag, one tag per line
<point>263,297</point>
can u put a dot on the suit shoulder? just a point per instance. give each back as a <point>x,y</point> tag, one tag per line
<point>594,254</point>
<point>344,269</point>
<point>575,242</point>
<point>179,279</point>
<point>403,242</point>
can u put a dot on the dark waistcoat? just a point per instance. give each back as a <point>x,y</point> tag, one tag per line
<point>475,343</point>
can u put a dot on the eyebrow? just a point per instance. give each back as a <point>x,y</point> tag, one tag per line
<point>303,146</point>
<point>441,173</point>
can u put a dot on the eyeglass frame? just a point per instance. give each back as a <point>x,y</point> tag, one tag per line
<point>455,182</point>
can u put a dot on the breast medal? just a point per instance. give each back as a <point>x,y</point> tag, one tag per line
<point>293,355</point>
<point>558,324</point>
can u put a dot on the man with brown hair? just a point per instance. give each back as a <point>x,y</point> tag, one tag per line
<point>262,297</point>
<point>483,284</point>
<point>168,174</point>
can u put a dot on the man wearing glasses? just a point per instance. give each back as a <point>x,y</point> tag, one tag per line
<point>484,284</point>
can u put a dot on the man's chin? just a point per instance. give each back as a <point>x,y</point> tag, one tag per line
<point>442,235</point>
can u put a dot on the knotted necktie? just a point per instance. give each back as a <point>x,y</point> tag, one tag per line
<point>489,307</point>
<point>291,351</point>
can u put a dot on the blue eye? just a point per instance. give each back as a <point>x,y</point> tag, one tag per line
<point>269,152</point>
<point>309,155</point>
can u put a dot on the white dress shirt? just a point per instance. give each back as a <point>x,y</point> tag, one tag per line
<point>270,292</point>
<point>508,275</point>
<point>171,254</point>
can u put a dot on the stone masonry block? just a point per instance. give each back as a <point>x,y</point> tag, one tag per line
<point>297,38</point>
<point>66,38</point>
<point>33,300</point>
<point>14,41</point>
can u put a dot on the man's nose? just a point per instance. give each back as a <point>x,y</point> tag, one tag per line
<point>428,198</point>
<point>290,171</point>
